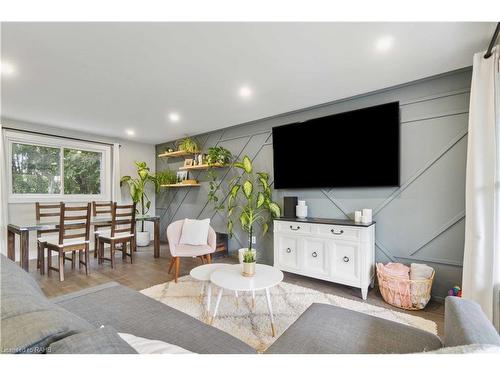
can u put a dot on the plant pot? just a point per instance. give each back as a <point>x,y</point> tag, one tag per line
<point>242,251</point>
<point>248,269</point>
<point>142,239</point>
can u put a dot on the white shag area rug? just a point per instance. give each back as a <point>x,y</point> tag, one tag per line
<point>252,325</point>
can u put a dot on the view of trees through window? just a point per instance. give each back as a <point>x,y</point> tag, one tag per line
<point>37,169</point>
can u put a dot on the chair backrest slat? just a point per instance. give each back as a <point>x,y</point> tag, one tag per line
<point>43,210</point>
<point>101,208</point>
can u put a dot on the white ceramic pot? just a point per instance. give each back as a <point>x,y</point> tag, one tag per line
<point>248,269</point>
<point>242,251</point>
<point>142,239</point>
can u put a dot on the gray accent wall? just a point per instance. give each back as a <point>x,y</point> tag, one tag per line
<point>421,221</point>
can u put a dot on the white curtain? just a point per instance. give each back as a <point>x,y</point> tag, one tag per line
<point>116,191</point>
<point>481,271</point>
<point>4,207</point>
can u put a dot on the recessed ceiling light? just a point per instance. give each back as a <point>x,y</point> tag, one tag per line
<point>384,43</point>
<point>6,69</point>
<point>245,92</point>
<point>174,117</point>
<point>130,132</point>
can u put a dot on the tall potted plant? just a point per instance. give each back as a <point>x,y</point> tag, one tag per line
<point>138,194</point>
<point>257,205</point>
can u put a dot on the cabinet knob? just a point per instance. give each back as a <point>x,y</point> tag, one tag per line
<point>346,259</point>
<point>292,228</point>
<point>314,254</point>
<point>288,250</point>
<point>337,233</point>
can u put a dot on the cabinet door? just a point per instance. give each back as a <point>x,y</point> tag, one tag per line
<point>345,260</point>
<point>315,256</point>
<point>288,251</point>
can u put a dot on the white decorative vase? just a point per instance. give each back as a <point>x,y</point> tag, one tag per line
<point>142,239</point>
<point>242,251</point>
<point>301,210</point>
<point>248,269</point>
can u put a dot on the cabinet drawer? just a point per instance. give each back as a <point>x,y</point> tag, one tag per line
<point>288,251</point>
<point>339,232</point>
<point>293,227</point>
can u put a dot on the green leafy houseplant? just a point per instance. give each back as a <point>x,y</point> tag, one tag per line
<point>189,145</point>
<point>166,177</point>
<point>222,156</point>
<point>138,187</point>
<point>248,257</point>
<point>257,206</point>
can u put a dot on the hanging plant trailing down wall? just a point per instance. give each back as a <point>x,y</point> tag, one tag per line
<point>216,156</point>
<point>258,206</point>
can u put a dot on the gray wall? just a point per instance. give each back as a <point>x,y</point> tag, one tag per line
<point>421,221</point>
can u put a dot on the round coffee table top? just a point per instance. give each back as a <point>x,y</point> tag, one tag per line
<point>231,278</point>
<point>202,273</point>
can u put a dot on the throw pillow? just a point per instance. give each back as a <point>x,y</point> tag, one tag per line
<point>195,232</point>
<point>147,346</point>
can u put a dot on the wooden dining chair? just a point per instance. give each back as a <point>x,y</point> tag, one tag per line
<point>122,232</point>
<point>43,211</point>
<point>74,231</point>
<point>100,208</point>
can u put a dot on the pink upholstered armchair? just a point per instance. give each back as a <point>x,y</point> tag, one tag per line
<point>178,250</point>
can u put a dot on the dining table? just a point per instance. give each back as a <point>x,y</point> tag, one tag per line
<point>23,231</point>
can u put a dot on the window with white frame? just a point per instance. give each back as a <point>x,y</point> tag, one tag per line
<point>45,168</point>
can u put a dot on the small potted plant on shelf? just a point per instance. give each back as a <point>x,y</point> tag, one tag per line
<point>257,205</point>
<point>138,194</point>
<point>219,155</point>
<point>166,177</point>
<point>189,145</point>
<point>249,263</point>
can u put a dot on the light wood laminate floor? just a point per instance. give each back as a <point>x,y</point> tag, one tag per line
<point>148,271</point>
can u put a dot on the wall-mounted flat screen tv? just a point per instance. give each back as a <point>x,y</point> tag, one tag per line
<point>352,149</point>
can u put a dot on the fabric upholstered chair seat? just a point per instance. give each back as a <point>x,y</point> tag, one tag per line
<point>194,250</point>
<point>54,240</point>
<point>106,233</point>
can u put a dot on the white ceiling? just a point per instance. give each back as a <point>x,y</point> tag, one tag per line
<point>106,78</point>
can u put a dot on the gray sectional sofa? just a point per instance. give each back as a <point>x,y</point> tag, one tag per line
<point>31,323</point>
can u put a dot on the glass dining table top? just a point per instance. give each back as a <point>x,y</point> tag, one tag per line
<point>54,224</point>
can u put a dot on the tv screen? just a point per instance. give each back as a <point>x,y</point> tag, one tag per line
<point>351,149</point>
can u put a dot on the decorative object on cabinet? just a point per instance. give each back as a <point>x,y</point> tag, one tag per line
<point>189,145</point>
<point>340,251</point>
<point>289,204</point>
<point>366,216</point>
<point>357,216</point>
<point>138,194</point>
<point>301,209</point>
<point>256,205</point>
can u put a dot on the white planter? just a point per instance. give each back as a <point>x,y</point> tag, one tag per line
<point>142,239</point>
<point>248,269</point>
<point>242,250</point>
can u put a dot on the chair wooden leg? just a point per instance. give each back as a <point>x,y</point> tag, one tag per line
<point>80,259</point>
<point>112,254</point>
<point>41,257</point>
<point>131,250</point>
<point>61,265</point>
<point>100,252</point>
<point>49,262</point>
<point>124,250</point>
<point>73,259</point>
<point>202,257</point>
<point>177,264</point>
<point>87,260</point>
<point>209,258</point>
<point>172,262</point>
<point>96,245</point>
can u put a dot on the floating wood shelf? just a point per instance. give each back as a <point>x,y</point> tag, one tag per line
<point>179,185</point>
<point>200,167</point>
<point>175,154</point>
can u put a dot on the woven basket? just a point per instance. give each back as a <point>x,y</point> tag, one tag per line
<point>403,293</point>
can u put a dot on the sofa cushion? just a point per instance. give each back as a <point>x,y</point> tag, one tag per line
<point>131,312</point>
<point>465,324</point>
<point>29,321</point>
<point>327,329</point>
<point>104,340</point>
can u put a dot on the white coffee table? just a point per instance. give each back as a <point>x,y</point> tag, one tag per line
<point>203,273</point>
<point>231,278</point>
